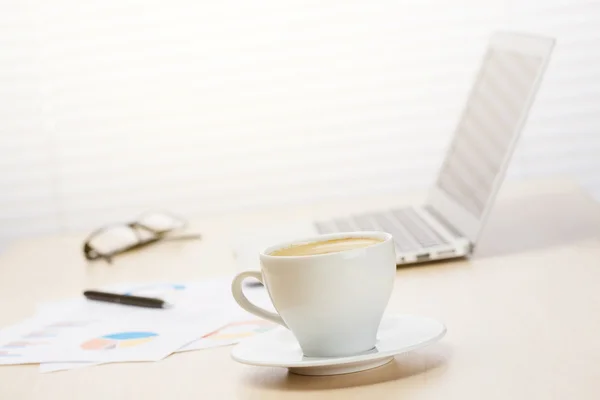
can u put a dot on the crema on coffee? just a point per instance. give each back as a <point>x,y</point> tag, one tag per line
<point>325,247</point>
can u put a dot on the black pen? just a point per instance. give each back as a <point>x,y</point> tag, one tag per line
<point>148,302</point>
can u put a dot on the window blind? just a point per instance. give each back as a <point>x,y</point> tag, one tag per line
<point>111,108</point>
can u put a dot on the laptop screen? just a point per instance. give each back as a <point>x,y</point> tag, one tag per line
<point>481,145</point>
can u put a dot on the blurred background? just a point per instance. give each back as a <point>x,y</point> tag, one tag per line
<point>112,107</point>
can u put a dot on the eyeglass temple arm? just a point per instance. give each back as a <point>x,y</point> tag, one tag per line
<point>188,236</point>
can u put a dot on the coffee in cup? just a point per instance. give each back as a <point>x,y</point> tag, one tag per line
<point>331,290</point>
<point>324,247</point>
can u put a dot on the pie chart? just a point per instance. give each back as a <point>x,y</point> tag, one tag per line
<point>120,340</point>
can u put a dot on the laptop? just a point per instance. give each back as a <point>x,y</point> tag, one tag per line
<point>448,225</point>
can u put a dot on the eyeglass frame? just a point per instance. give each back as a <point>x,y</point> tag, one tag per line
<point>159,235</point>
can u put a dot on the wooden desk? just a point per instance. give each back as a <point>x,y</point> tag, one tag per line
<point>523,315</point>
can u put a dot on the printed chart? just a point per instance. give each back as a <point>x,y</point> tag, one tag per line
<point>240,330</point>
<point>230,334</point>
<point>157,290</point>
<point>4,353</point>
<point>39,338</point>
<point>119,340</point>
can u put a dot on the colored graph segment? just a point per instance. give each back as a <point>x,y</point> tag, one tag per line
<point>240,330</point>
<point>157,289</point>
<point>21,344</point>
<point>40,334</point>
<point>119,340</point>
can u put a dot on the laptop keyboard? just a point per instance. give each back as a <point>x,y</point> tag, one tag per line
<point>410,231</point>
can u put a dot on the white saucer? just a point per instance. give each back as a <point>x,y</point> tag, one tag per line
<point>397,334</point>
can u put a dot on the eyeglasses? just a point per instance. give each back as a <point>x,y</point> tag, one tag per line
<point>149,228</point>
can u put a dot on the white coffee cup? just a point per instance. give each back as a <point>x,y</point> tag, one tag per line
<point>333,303</point>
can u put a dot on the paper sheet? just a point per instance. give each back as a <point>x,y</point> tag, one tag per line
<point>239,329</point>
<point>81,330</point>
<point>205,308</point>
<point>100,339</point>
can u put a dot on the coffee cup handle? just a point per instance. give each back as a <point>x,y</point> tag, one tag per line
<point>242,300</point>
